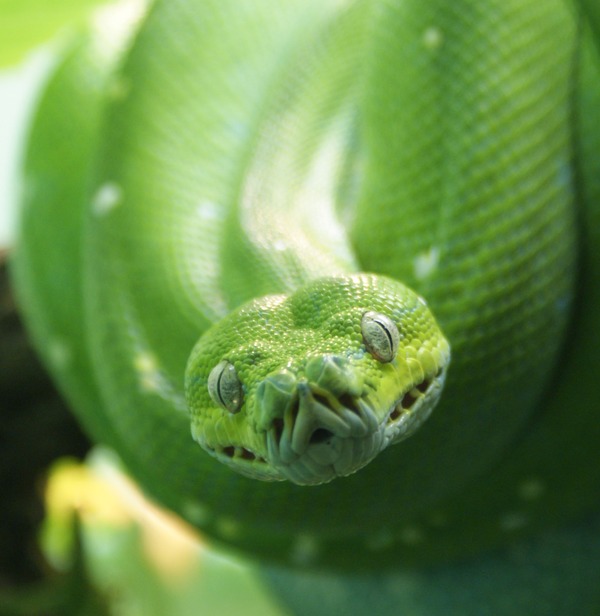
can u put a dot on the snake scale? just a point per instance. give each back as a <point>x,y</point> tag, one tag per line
<point>221,208</point>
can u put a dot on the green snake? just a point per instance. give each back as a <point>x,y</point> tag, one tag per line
<point>221,210</point>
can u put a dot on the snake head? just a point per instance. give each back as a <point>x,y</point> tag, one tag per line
<point>313,385</point>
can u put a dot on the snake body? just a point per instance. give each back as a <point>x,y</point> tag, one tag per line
<point>262,177</point>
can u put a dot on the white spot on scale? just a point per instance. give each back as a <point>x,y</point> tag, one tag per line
<point>209,211</point>
<point>513,521</point>
<point>59,354</point>
<point>305,549</point>
<point>150,383</point>
<point>279,245</point>
<point>433,38</point>
<point>145,362</point>
<point>426,263</point>
<point>531,489</point>
<point>107,198</point>
<point>564,173</point>
<point>146,365</point>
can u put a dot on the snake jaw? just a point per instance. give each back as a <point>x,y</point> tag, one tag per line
<point>320,438</point>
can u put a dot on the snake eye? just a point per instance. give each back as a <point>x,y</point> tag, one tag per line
<point>225,387</point>
<point>380,335</point>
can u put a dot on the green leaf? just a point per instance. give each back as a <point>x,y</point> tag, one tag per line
<point>27,23</point>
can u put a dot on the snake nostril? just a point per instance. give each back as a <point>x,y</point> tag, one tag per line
<point>320,435</point>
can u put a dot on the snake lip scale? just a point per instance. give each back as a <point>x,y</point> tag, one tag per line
<point>322,437</point>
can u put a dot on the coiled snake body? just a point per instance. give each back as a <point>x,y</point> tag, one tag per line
<point>313,154</point>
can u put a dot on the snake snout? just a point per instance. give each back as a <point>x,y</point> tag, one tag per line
<point>322,435</point>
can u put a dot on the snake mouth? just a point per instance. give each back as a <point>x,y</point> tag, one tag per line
<point>322,437</point>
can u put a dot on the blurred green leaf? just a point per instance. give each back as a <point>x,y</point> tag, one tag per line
<point>117,552</point>
<point>27,23</point>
